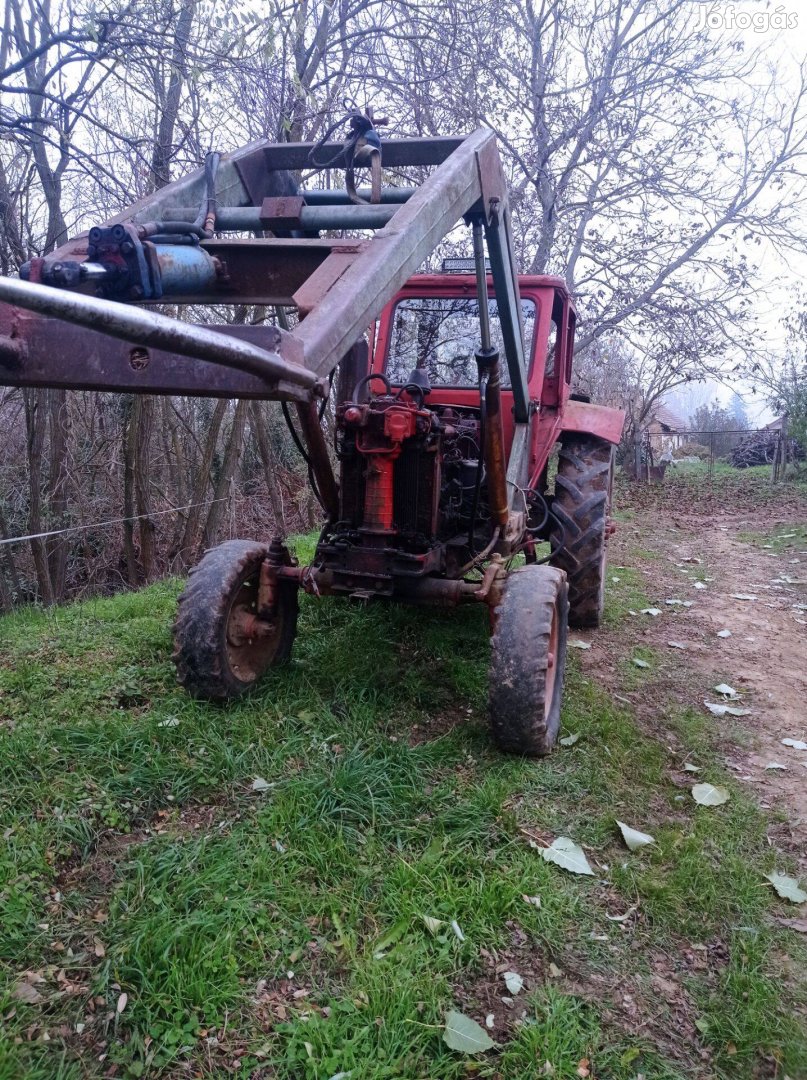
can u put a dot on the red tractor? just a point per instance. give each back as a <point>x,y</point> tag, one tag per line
<point>443,453</point>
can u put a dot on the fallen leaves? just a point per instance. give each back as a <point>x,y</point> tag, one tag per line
<point>464,1034</point>
<point>797,744</point>
<point>569,740</point>
<point>788,888</point>
<point>650,611</point>
<point>513,982</point>
<point>432,925</point>
<point>26,991</point>
<point>621,918</point>
<point>709,795</point>
<point>577,644</point>
<point>725,690</point>
<point>455,926</point>
<point>634,838</point>
<point>799,925</point>
<point>259,784</point>
<point>569,856</point>
<point>743,596</point>
<point>640,663</point>
<point>726,710</point>
<point>724,633</point>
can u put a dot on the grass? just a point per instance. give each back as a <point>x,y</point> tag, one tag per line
<point>784,539</point>
<point>689,487</point>
<point>281,932</point>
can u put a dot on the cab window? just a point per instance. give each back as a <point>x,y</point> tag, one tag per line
<point>440,334</point>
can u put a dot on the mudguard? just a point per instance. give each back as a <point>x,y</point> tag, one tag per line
<point>599,420</point>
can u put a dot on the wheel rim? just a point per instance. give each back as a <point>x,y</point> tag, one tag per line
<point>250,643</point>
<point>552,657</point>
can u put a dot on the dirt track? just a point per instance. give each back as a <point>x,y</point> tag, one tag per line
<point>764,659</point>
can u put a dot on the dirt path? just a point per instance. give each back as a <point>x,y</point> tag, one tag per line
<point>763,657</point>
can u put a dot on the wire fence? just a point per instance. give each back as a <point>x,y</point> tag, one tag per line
<point>656,452</point>
<point>104,524</point>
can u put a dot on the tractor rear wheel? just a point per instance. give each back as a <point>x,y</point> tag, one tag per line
<point>581,506</point>
<point>528,660</point>
<point>221,648</point>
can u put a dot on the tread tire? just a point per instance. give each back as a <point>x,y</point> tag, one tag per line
<point>582,503</point>
<point>522,721</point>
<point>203,659</point>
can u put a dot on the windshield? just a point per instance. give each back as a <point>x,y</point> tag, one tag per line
<point>441,335</point>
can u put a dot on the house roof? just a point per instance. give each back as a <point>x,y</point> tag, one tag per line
<point>775,425</point>
<point>667,418</point>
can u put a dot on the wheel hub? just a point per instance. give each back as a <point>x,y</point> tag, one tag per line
<point>244,626</point>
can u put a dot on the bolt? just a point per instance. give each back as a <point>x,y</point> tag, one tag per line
<point>127,247</point>
<point>139,359</point>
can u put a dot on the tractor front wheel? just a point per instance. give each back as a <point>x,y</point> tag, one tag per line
<point>580,508</point>
<point>221,646</point>
<point>528,660</point>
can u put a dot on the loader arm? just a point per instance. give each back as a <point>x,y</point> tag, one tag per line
<point>102,283</point>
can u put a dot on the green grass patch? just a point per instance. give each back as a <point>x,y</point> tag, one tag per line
<point>781,540</point>
<point>695,487</point>
<point>625,593</point>
<point>288,929</point>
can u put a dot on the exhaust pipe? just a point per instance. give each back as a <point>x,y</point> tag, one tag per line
<point>149,328</point>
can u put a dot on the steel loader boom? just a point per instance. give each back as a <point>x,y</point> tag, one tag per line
<point>339,286</point>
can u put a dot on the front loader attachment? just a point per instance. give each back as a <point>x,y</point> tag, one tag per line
<point>82,318</point>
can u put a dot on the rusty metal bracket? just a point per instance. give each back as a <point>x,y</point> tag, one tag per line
<point>282,213</point>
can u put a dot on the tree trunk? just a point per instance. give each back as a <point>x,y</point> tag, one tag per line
<point>57,546</point>
<point>9,578</point>
<point>186,552</point>
<point>136,490</point>
<point>143,423</point>
<point>269,467</point>
<point>132,569</point>
<point>35,419</point>
<point>229,472</point>
<point>164,144</point>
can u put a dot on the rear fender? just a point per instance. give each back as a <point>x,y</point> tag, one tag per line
<point>598,420</point>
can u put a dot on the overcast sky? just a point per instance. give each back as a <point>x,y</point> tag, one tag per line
<point>779,278</point>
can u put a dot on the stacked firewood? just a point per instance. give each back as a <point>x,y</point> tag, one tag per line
<point>760,448</point>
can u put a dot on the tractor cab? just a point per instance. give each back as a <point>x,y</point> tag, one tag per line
<point>432,328</point>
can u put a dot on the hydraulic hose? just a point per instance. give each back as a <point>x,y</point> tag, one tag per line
<point>206,218</point>
<point>483,411</point>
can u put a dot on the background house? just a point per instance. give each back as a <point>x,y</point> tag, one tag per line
<point>666,430</point>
